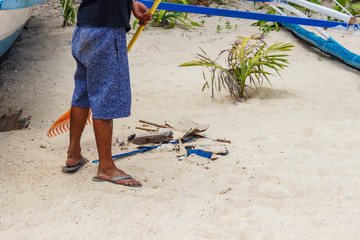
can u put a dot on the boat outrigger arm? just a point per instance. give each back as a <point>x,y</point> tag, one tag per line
<point>323,10</point>
<point>297,12</point>
<point>327,45</point>
<point>348,24</point>
<point>347,18</point>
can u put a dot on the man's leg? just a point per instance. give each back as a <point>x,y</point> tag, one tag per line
<point>78,118</point>
<point>107,170</point>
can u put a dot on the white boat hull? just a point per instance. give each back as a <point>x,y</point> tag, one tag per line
<point>11,24</point>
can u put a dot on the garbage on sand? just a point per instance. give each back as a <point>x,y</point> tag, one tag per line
<point>186,138</point>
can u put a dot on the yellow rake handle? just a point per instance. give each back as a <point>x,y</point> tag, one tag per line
<point>139,30</point>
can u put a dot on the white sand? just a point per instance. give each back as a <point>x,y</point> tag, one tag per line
<point>293,167</point>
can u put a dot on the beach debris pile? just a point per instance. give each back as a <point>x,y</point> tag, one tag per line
<point>11,121</point>
<point>186,138</point>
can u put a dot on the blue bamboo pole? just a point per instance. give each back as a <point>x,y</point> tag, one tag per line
<point>329,46</point>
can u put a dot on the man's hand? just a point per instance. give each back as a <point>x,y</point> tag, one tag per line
<point>142,13</point>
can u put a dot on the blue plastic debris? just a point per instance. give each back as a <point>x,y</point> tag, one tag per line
<point>199,152</point>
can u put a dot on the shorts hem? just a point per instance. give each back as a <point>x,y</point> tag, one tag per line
<point>79,105</point>
<point>123,115</point>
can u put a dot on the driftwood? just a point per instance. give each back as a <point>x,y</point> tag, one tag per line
<point>159,137</point>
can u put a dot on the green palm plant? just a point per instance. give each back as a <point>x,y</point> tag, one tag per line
<point>69,12</point>
<point>265,26</point>
<point>246,64</point>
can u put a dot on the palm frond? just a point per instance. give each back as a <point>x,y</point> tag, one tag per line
<point>246,62</point>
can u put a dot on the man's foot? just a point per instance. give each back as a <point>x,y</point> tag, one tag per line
<point>72,166</point>
<point>117,176</point>
<point>117,181</point>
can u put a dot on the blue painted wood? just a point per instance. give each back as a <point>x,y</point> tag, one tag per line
<point>18,4</point>
<point>329,46</point>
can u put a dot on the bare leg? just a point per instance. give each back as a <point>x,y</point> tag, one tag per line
<point>107,170</point>
<point>78,118</point>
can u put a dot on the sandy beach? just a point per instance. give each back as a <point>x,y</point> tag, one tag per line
<point>293,165</point>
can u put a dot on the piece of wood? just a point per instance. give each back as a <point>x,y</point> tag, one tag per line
<point>222,140</point>
<point>153,124</point>
<point>225,191</point>
<point>158,137</point>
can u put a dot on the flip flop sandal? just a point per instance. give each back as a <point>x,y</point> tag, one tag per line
<point>95,179</point>
<point>73,169</point>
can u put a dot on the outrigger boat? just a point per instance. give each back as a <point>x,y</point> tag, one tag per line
<point>13,16</point>
<point>345,22</point>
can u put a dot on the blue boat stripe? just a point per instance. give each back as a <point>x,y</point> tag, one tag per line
<point>6,43</point>
<point>19,4</point>
<point>247,15</point>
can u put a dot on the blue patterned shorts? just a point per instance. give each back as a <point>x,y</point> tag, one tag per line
<point>102,79</point>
